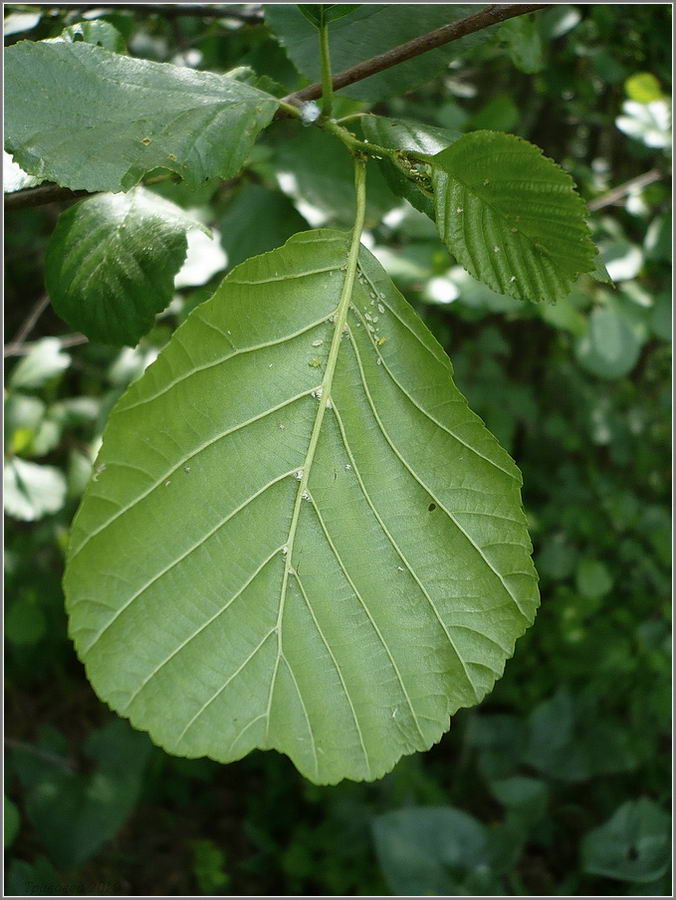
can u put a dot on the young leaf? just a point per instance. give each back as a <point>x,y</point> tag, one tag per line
<point>368,31</point>
<point>299,536</point>
<point>406,134</point>
<point>511,216</point>
<point>98,32</point>
<point>94,120</point>
<point>111,261</point>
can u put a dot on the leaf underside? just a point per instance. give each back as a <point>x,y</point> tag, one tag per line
<point>100,121</point>
<point>299,536</point>
<point>511,216</point>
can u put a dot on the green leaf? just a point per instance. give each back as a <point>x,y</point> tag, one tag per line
<point>45,361</point>
<point>94,120</point>
<point>633,845</point>
<point>593,578</point>
<point>511,216</point>
<point>524,43</point>
<point>433,850</point>
<point>611,347</point>
<point>12,822</point>
<point>31,490</point>
<point>111,261</point>
<point>291,502</point>
<point>405,134</point>
<point>643,87</point>
<point>74,814</point>
<point>255,221</point>
<point>368,31</point>
<point>97,31</point>
<point>316,171</point>
<point>320,14</point>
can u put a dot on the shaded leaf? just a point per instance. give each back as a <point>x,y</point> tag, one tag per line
<point>12,822</point>
<point>524,43</point>
<point>324,13</point>
<point>405,134</point>
<point>368,31</point>
<point>633,845</point>
<point>257,220</point>
<point>611,347</point>
<point>433,850</point>
<point>100,121</point>
<point>511,216</point>
<point>111,261</point>
<point>288,608</point>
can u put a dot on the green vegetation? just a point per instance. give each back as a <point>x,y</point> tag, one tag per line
<point>558,781</point>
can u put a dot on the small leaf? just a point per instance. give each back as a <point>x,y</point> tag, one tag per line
<point>511,216</point>
<point>31,490</point>
<point>633,845</point>
<point>267,544</point>
<point>611,347</point>
<point>111,261</point>
<point>94,120</point>
<point>524,43</point>
<point>45,361</point>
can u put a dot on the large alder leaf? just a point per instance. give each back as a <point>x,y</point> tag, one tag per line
<point>94,120</point>
<point>111,261</point>
<point>368,31</point>
<point>299,536</point>
<point>511,216</point>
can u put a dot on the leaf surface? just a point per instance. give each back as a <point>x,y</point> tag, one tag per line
<point>100,121</point>
<point>368,31</point>
<point>511,216</point>
<point>299,536</point>
<point>111,261</point>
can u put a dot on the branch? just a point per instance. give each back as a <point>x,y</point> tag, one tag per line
<point>68,340</point>
<point>622,190</point>
<point>38,196</point>
<point>491,15</point>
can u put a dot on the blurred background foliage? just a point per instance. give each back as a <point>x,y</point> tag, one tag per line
<point>559,782</point>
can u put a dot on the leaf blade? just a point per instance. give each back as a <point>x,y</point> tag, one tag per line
<point>511,216</point>
<point>120,118</point>
<point>347,623</point>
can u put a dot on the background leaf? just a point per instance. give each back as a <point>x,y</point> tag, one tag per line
<point>257,653</point>
<point>31,490</point>
<point>115,118</point>
<point>524,43</point>
<point>511,216</point>
<point>111,261</point>
<point>372,29</point>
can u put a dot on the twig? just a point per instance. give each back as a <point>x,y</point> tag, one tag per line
<point>491,15</point>
<point>38,196</point>
<point>68,340</point>
<point>622,190</point>
<point>29,323</point>
<point>59,761</point>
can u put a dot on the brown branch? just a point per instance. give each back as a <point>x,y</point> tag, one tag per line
<point>486,17</point>
<point>68,340</point>
<point>31,320</point>
<point>38,196</point>
<point>622,190</point>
